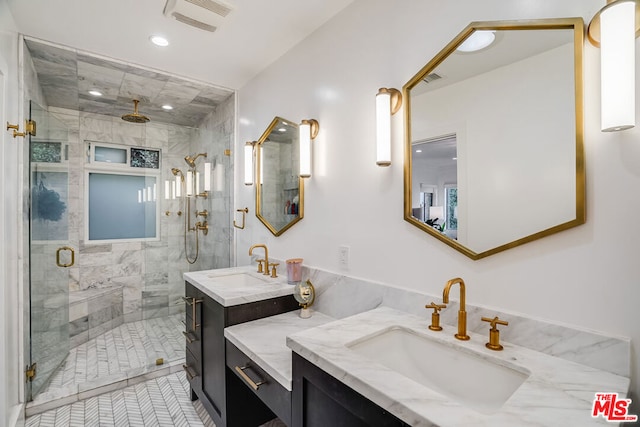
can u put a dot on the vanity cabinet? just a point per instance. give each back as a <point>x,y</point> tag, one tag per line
<point>275,396</point>
<point>226,398</point>
<point>320,400</point>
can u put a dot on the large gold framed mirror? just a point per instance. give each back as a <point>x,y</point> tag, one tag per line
<point>279,188</point>
<point>494,136</point>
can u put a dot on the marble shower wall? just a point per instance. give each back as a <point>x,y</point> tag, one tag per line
<point>150,273</point>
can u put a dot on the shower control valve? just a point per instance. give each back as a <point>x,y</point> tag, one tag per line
<point>204,213</point>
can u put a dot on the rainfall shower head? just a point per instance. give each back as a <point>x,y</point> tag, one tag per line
<point>135,117</point>
<point>177,172</point>
<point>191,161</point>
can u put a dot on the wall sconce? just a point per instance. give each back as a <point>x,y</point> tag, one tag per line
<point>248,162</point>
<point>388,102</point>
<point>308,130</point>
<point>614,29</point>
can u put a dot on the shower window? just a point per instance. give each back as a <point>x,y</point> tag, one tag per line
<point>122,193</point>
<point>110,155</point>
<point>48,152</point>
<point>123,156</point>
<point>142,158</point>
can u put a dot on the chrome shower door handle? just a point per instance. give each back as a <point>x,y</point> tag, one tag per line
<point>73,256</point>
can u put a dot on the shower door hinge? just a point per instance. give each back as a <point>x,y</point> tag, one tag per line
<point>30,127</point>
<point>227,152</point>
<point>31,372</point>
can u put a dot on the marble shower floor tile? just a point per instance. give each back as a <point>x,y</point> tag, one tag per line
<point>120,353</point>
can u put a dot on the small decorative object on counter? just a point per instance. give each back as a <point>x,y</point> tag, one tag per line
<point>305,294</point>
<point>294,270</point>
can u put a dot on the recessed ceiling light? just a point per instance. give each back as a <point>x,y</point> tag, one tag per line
<point>454,158</point>
<point>477,40</point>
<point>418,151</point>
<point>282,130</point>
<point>167,107</point>
<point>159,41</point>
<point>95,92</point>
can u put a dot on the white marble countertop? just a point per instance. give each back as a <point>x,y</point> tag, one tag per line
<point>265,341</point>
<point>238,285</point>
<point>556,392</point>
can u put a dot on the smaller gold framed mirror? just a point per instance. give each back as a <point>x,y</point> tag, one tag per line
<point>279,188</point>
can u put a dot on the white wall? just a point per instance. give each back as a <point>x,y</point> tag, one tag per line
<point>587,276</point>
<point>11,370</point>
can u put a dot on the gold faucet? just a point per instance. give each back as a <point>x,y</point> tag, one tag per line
<point>462,314</point>
<point>266,257</point>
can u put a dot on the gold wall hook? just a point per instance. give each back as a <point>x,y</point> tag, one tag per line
<point>244,211</point>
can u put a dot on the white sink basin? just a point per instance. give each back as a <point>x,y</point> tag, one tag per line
<point>462,376</point>
<point>238,279</point>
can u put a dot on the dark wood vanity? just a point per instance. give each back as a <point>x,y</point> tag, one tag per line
<point>210,363</point>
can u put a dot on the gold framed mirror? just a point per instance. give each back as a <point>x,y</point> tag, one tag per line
<point>279,188</point>
<point>494,136</point>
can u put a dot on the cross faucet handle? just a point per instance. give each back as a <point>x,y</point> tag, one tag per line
<point>495,321</point>
<point>435,316</point>
<point>494,333</point>
<point>436,307</point>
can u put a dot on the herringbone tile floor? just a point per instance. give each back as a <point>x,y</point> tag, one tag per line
<point>158,402</point>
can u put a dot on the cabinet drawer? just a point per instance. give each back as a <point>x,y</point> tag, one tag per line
<point>274,395</point>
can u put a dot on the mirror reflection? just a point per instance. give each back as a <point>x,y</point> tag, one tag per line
<point>279,189</point>
<point>494,136</point>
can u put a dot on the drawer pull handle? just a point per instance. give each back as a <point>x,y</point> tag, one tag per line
<point>187,370</point>
<point>187,335</point>
<point>192,301</point>
<point>246,378</point>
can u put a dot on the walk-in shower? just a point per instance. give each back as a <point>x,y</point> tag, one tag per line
<point>117,313</point>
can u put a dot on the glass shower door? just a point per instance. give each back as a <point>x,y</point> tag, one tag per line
<point>50,253</point>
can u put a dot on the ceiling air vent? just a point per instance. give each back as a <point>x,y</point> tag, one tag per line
<point>203,14</point>
<point>432,77</point>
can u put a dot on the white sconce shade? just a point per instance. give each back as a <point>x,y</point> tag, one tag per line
<point>248,163</point>
<point>189,183</point>
<point>178,186</point>
<point>261,163</point>
<point>388,102</point>
<point>167,190</point>
<point>197,182</point>
<point>173,190</point>
<point>614,30</point>
<point>617,56</point>
<point>308,130</point>
<point>207,177</point>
